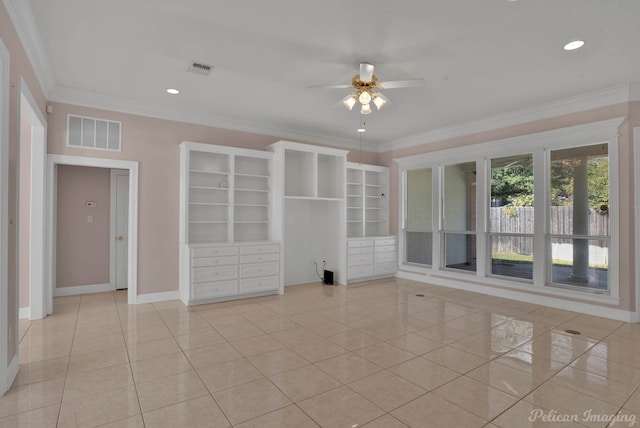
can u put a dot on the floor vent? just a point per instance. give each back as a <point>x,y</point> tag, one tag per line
<point>93,133</point>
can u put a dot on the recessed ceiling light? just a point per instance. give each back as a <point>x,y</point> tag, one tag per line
<point>361,130</point>
<point>576,44</point>
<point>173,91</point>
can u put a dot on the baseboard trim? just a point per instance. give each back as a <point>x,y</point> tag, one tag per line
<point>81,289</point>
<point>536,299</point>
<point>24,313</point>
<point>157,297</point>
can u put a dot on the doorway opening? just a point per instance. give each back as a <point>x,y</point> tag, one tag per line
<point>128,197</point>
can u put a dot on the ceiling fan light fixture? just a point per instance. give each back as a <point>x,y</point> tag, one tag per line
<point>350,101</point>
<point>366,109</point>
<point>364,98</point>
<point>379,101</point>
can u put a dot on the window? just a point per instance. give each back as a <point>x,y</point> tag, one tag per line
<point>536,212</point>
<point>459,216</point>
<point>511,217</point>
<point>579,217</point>
<point>418,233</point>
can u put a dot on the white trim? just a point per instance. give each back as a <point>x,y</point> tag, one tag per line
<point>25,24</point>
<point>636,197</point>
<point>81,289</point>
<point>12,372</point>
<point>38,291</point>
<point>578,135</point>
<point>605,97</point>
<point>80,97</point>
<point>158,297</point>
<point>469,284</point>
<point>4,221</point>
<point>24,313</point>
<point>52,162</point>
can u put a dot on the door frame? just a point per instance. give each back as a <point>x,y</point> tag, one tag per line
<point>636,197</point>
<point>8,369</point>
<point>113,274</point>
<point>49,240</point>
<point>28,106</point>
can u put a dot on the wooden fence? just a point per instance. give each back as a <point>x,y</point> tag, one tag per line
<point>520,220</point>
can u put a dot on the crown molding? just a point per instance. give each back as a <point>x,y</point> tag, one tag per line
<point>605,97</point>
<point>25,24</point>
<point>80,97</point>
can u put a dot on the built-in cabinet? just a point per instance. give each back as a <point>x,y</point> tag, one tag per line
<point>309,188</point>
<point>371,251</point>
<point>254,221</point>
<point>227,249</point>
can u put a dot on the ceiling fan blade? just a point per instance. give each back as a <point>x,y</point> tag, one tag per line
<point>330,86</point>
<point>392,84</point>
<point>366,72</point>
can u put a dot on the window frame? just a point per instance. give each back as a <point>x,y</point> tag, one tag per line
<point>539,144</point>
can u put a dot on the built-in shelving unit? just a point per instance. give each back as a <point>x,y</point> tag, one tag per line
<point>371,251</point>
<point>227,248</point>
<point>309,183</point>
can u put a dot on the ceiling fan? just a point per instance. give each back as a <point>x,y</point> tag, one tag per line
<point>367,89</point>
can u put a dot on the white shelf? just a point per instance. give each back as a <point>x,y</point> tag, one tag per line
<point>370,217</point>
<point>225,211</point>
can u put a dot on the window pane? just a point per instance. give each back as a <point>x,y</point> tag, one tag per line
<point>512,256</point>
<point>460,251</point>
<point>580,191</point>
<point>512,194</point>
<point>419,189</point>
<point>418,248</point>
<point>460,197</point>
<point>580,262</point>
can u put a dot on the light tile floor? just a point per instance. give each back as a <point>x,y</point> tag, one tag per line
<point>370,355</point>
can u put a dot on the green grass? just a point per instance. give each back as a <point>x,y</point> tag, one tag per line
<point>528,258</point>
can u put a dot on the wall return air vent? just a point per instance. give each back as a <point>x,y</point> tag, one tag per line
<point>92,133</point>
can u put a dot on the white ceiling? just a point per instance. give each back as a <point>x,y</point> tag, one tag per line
<point>479,58</point>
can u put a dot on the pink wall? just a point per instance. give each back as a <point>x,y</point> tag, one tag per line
<point>154,143</point>
<point>625,174</point>
<point>24,192</point>
<point>82,248</point>
<point>19,67</point>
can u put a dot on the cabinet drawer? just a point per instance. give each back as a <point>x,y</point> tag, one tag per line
<point>359,271</point>
<point>210,290</point>
<point>360,243</point>
<point>258,269</point>
<point>360,250</point>
<point>386,241</point>
<point>382,268</point>
<point>385,248</point>
<point>254,285</point>
<point>214,251</point>
<point>259,249</point>
<point>385,257</point>
<point>360,259</point>
<point>214,261</point>
<point>257,258</point>
<point>221,273</point>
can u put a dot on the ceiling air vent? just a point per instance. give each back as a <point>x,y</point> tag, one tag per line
<point>200,68</point>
